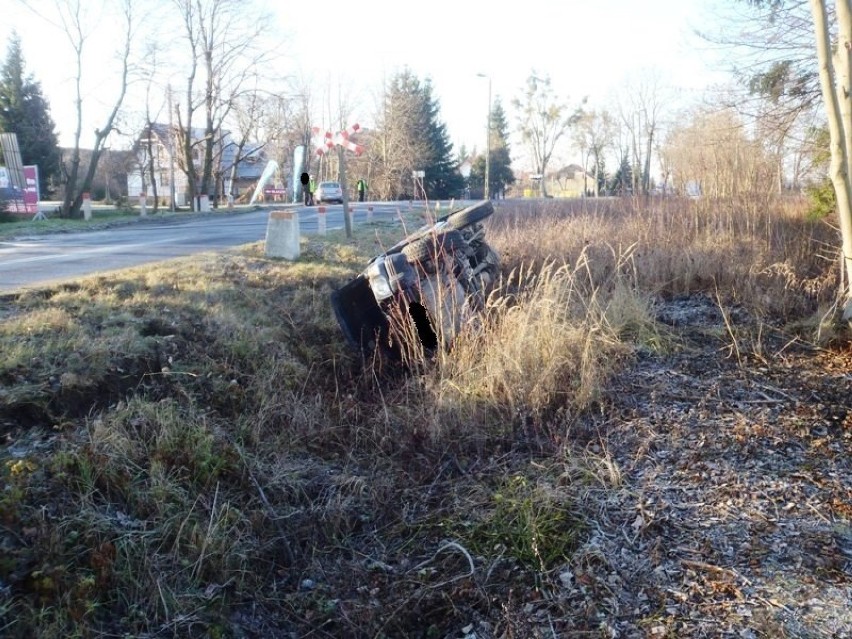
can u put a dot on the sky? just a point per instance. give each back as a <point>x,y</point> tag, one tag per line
<point>588,48</point>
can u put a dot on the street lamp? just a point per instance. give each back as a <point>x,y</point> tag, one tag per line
<point>487,140</point>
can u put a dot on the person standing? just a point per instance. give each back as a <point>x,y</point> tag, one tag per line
<point>312,188</point>
<point>306,188</point>
<point>362,189</point>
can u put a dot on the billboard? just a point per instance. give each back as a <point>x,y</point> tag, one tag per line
<point>20,200</point>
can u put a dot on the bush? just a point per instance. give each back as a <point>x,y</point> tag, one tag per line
<point>4,212</point>
<point>823,201</point>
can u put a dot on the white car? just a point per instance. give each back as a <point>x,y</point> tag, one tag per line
<point>329,192</point>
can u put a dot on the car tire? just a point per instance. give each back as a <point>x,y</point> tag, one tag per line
<point>470,215</point>
<point>426,248</point>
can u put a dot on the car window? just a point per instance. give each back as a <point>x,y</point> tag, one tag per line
<point>330,185</point>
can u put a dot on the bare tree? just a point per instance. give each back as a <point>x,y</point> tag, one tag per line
<point>144,148</point>
<point>771,52</point>
<point>640,110</point>
<point>78,20</point>
<point>593,135</point>
<point>221,37</point>
<point>248,111</point>
<point>280,128</point>
<point>714,151</point>
<point>543,119</point>
<point>835,71</point>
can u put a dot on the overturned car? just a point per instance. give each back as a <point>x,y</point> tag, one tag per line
<point>415,297</point>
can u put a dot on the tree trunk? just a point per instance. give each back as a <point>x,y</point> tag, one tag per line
<point>152,174</point>
<point>837,104</point>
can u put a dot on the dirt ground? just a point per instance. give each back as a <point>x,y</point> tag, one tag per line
<point>725,514</point>
<point>734,518</point>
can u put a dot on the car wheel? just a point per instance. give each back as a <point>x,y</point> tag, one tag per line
<point>470,215</point>
<point>426,248</point>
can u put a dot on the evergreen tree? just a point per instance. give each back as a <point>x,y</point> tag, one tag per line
<point>442,179</point>
<point>622,181</point>
<point>412,138</point>
<point>500,173</point>
<point>25,112</point>
<point>599,172</point>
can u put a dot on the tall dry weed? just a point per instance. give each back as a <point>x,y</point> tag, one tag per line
<point>544,345</point>
<point>764,254</point>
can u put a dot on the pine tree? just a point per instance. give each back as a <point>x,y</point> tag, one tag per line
<point>622,181</point>
<point>442,179</point>
<point>411,137</point>
<point>600,174</point>
<point>25,112</point>
<point>500,173</point>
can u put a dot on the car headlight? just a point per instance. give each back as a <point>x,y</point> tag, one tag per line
<point>379,283</point>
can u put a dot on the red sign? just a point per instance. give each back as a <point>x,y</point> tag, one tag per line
<point>21,200</point>
<point>31,189</point>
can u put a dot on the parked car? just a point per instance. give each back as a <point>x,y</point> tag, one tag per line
<point>329,192</point>
<point>421,291</point>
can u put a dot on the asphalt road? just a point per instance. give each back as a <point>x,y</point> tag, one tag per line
<point>30,262</point>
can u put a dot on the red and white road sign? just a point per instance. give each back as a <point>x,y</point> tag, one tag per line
<point>341,137</point>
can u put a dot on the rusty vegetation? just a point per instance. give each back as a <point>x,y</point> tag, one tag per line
<point>646,434</point>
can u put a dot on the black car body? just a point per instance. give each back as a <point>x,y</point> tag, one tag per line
<point>419,293</point>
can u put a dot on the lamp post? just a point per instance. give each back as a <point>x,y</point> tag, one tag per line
<point>487,140</point>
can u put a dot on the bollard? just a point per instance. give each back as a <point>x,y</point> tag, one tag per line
<point>369,213</point>
<point>282,235</point>
<point>143,210</point>
<point>87,206</point>
<point>321,225</point>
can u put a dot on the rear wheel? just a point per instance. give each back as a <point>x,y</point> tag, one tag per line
<point>426,248</point>
<point>470,215</point>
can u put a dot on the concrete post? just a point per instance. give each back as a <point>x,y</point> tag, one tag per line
<point>143,201</point>
<point>282,235</point>
<point>321,221</point>
<point>87,206</point>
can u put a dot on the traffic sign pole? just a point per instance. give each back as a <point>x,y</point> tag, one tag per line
<point>342,142</point>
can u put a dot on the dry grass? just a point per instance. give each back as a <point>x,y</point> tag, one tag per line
<point>765,255</point>
<point>192,451</point>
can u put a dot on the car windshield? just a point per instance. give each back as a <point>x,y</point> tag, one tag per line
<point>329,185</point>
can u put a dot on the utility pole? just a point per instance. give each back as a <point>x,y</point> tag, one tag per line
<point>172,151</point>
<point>341,162</point>
<point>487,140</point>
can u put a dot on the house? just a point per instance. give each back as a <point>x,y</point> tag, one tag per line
<point>570,181</point>
<point>165,160</point>
<point>241,174</point>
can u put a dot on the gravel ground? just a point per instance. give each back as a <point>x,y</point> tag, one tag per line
<point>734,518</point>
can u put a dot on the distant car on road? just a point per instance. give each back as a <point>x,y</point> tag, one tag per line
<point>329,192</point>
